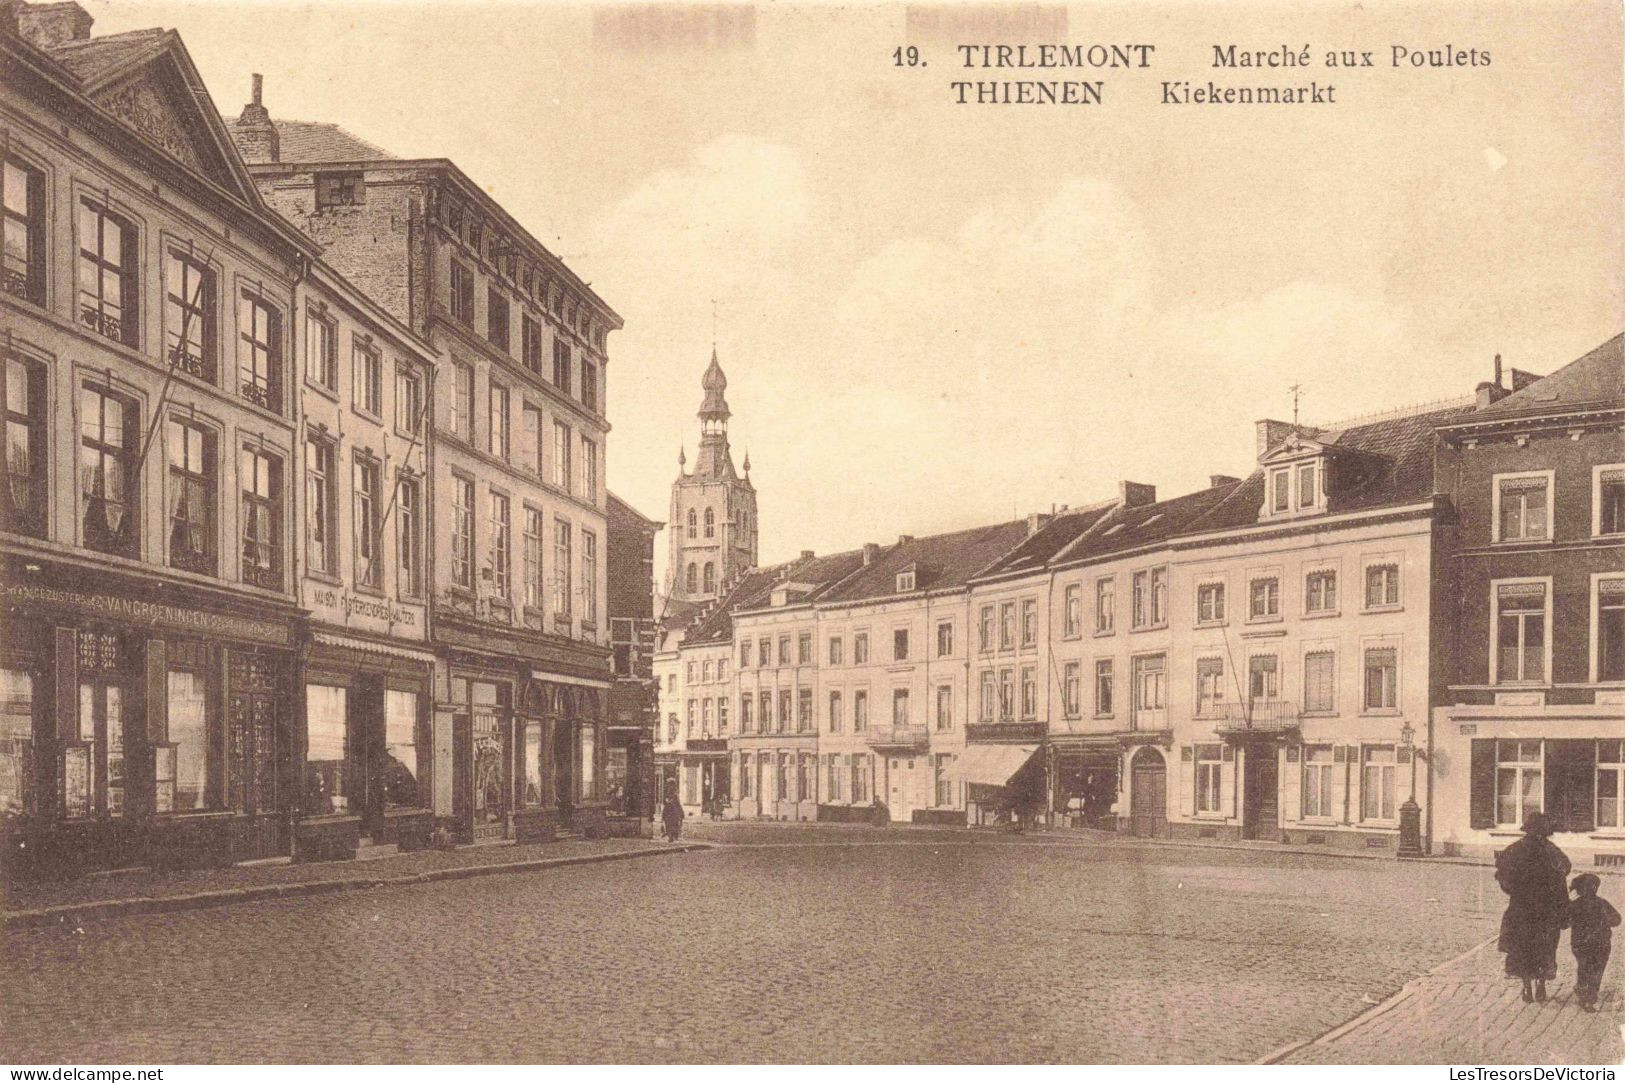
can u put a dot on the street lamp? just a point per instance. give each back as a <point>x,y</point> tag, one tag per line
<point>1410,813</point>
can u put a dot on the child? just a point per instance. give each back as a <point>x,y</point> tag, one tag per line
<point>1591,920</point>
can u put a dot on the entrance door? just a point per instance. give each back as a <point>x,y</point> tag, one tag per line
<point>254,753</point>
<point>1259,817</point>
<point>1148,801</point>
<point>900,775</point>
<point>462,774</point>
<point>564,759</point>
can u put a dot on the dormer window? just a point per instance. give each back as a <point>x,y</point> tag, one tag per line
<point>905,581</point>
<point>1295,487</point>
<point>1308,473</point>
<point>1280,490</point>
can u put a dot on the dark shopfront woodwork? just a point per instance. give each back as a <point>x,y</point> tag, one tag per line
<point>140,750</point>
<point>1260,815</point>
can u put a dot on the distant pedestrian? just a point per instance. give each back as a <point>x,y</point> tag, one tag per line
<point>672,815</point>
<point>1534,873</point>
<point>1591,920</point>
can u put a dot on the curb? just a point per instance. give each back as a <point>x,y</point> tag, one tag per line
<point>74,912</point>
<point>1404,993</point>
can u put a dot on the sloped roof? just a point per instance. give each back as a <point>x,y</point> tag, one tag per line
<point>92,59</point>
<point>620,507</point>
<point>1051,538</point>
<point>312,141</point>
<point>1598,378</point>
<point>754,589</point>
<point>942,561</point>
<point>1405,445</point>
<point>1136,526</point>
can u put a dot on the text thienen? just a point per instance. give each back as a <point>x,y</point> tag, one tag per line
<point>1182,92</point>
<point>1056,56</point>
<point>1027,92</point>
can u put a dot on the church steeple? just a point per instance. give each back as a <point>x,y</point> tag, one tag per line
<point>713,508</point>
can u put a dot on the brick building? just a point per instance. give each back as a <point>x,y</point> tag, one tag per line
<point>633,704</point>
<point>1534,715</point>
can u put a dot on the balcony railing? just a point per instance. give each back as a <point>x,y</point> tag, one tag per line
<point>899,737</point>
<point>1259,716</point>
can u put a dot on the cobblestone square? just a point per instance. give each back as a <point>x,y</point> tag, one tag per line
<point>781,945</point>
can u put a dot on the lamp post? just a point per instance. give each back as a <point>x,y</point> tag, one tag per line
<point>1410,813</point>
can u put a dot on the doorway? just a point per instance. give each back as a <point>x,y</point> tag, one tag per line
<point>564,759</point>
<point>1148,796</point>
<point>1260,805</point>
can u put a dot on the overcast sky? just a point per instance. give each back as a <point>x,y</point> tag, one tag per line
<point>934,316</point>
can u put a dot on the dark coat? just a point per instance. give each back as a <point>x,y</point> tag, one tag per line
<point>1591,922</point>
<point>673,813</point>
<point>1534,874</point>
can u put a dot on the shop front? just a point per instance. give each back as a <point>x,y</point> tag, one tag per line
<point>1086,780</point>
<point>145,723</point>
<point>368,764</point>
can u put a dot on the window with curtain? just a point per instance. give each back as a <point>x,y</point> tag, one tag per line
<point>326,712</point>
<point>401,767</point>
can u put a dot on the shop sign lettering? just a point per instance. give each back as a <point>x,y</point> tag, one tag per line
<point>352,605</point>
<point>142,612</point>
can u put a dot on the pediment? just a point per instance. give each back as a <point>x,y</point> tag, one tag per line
<point>153,96</point>
<point>1295,447</point>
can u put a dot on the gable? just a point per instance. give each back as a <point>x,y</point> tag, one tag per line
<point>155,96</point>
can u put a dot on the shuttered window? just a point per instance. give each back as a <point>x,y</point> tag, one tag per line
<point>1320,682</point>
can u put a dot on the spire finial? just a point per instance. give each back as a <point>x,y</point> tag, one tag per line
<point>747,465</point>
<point>1296,390</point>
<point>682,457</point>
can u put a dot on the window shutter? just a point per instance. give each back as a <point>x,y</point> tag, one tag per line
<point>1292,785</point>
<point>1187,782</point>
<point>1351,763</point>
<point>1227,781</point>
<point>67,685</point>
<point>1481,786</point>
<point>157,704</point>
<point>1571,770</point>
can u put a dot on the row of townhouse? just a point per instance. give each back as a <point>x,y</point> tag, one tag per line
<point>277,579</point>
<point>1295,656</point>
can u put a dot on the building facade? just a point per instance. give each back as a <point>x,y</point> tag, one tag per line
<point>633,698</point>
<point>1533,718</point>
<point>517,586</point>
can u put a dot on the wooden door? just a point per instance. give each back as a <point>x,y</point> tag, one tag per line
<point>1148,800</point>
<point>1260,813</point>
<point>462,774</point>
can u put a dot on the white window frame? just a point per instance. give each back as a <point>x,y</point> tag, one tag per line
<point>1596,499</point>
<point>1264,576</point>
<point>1594,674</point>
<point>1106,616</point>
<point>1519,767</point>
<point>1337,591</point>
<point>1382,560</point>
<point>1389,769</point>
<point>1072,611</point>
<point>1366,647</point>
<point>1325,770</point>
<point>1222,616</point>
<point>1617,769</point>
<point>1203,769</point>
<point>1549,476</point>
<point>1495,631</point>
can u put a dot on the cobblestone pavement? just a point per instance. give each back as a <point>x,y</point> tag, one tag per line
<point>169,884</point>
<point>828,946</point>
<point>1469,1012</point>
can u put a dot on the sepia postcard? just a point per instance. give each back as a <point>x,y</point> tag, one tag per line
<point>792,533</point>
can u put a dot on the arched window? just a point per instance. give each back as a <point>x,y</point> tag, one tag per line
<point>710,523</point>
<point>693,578</point>
<point>710,576</point>
<point>692,521</point>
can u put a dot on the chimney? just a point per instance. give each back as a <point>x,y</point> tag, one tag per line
<point>1271,433</point>
<point>806,554</point>
<point>1487,394</point>
<point>49,25</point>
<point>904,539</point>
<point>1216,480</point>
<point>871,550</point>
<point>1522,379</point>
<point>256,137</point>
<point>1135,494</point>
<point>1037,521</point>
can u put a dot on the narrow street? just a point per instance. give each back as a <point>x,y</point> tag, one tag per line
<point>817,945</point>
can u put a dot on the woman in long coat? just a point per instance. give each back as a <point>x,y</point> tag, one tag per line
<point>1534,873</point>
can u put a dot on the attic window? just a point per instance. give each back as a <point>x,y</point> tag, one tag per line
<point>905,581</point>
<point>340,190</point>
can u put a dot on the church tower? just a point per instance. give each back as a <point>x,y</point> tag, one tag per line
<point>713,508</point>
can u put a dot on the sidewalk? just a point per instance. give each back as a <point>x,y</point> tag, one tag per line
<point>1466,1012</point>
<point>143,891</point>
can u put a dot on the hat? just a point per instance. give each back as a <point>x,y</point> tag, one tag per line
<point>1586,880</point>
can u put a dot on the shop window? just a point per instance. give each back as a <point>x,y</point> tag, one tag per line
<point>1519,781</point>
<point>22,213</point>
<point>1377,782</point>
<point>259,353</point>
<point>402,769</point>
<point>261,474</point>
<point>1209,777</point>
<point>189,314</point>
<point>16,744</point>
<point>326,712</point>
<point>1317,782</point>
<point>1611,784</point>
<point>188,749</point>
<point>744,776</point>
<point>192,497</point>
<point>108,287</point>
<point>109,431</point>
<point>23,499</point>
<point>93,764</point>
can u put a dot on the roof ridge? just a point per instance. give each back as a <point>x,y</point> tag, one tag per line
<point>1415,409</point>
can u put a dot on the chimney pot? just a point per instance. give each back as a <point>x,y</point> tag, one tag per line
<point>259,88</point>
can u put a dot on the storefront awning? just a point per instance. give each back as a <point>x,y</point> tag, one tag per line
<point>989,765</point>
<point>369,646</point>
